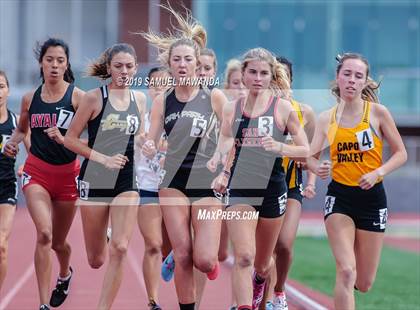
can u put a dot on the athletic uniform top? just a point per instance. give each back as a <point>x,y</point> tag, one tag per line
<point>7,164</point>
<point>44,115</point>
<point>289,165</point>
<point>112,132</point>
<point>253,167</point>
<point>354,151</point>
<point>149,171</point>
<point>192,131</point>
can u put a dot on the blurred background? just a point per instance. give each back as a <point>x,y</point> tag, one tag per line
<point>309,33</point>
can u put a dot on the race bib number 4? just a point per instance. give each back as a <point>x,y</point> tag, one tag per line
<point>265,126</point>
<point>64,119</point>
<point>365,139</point>
<point>198,128</point>
<point>329,204</point>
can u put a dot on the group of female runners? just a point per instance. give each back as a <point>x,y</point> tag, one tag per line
<point>198,150</point>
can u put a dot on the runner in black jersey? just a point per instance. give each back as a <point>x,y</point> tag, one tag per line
<point>255,125</point>
<point>188,114</point>
<point>50,170</point>
<point>295,194</point>
<point>107,187</point>
<point>9,187</point>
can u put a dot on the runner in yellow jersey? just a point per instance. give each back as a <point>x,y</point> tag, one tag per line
<point>355,206</point>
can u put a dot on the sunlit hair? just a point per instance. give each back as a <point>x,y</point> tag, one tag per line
<point>99,67</point>
<point>369,93</point>
<point>232,66</point>
<point>188,31</point>
<point>279,84</point>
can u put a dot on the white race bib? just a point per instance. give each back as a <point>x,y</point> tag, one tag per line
<point>329,204</point>
<point>25,178</point>
<point>84,190</point>
<point>198,128</point>
<point>64,119</point>
<point>132,124</point>
<point>265,126</point>
<point>365,139</point>
<point>4,139</point>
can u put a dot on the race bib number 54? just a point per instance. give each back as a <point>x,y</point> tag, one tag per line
<point>198,128</point>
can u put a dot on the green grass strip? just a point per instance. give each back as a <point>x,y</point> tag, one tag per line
<point>397,284</point>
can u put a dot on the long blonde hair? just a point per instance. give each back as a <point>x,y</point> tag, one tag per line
<point>369,93</point>
<point>188,32</point>
<point>279,85</point>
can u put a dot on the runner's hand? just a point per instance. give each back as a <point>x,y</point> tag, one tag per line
<point>149,149</point>
<point>117,161</point>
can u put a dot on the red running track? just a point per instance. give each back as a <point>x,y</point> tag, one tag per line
<point>20,290</point>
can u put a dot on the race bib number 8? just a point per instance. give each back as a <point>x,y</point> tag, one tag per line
<point>198,128</point>
<point>265,126</point>
<point>132,124</point>
<point>84,189</point>
<point>64,119</point>
<point>4,139</point>
<point>365,139</point>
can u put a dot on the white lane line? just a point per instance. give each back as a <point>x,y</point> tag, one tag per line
<point>18,285</point>
<point>302,299</point>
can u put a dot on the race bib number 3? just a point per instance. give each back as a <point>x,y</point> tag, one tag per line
<point>4,139</point>
<point>132,124</point>
<point>198,128</point>
<point>265,126</point>
<point>64,119</point>
<point>365,139</point>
